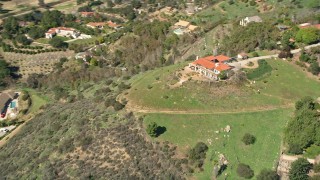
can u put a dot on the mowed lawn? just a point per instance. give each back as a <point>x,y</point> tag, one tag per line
<point>282,88</point>
<point>186,130</point>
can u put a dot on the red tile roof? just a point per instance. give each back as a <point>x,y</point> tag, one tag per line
<point>309,26</point>
<point>209,63</point>
<point>222,67</point>
<point>112,24</point>
<point>205,63</point>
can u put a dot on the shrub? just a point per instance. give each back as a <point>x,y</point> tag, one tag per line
<point>198,153</point>
<point>299,169</point>
<point>118,106</point>
<point>245,171</point>
<point>266,174</point>
<point>248,139</point>
<point>152,129</point>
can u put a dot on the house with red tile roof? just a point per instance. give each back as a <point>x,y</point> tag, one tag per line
<point>211,66</point>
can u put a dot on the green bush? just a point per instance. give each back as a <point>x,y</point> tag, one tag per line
<point>299,169</point>
<point>263,70</point>
<point>245,171</point>
<point>248,139</point>
<point>266,174</point>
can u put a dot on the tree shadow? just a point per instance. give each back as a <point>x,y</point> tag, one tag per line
<point>160,130</point>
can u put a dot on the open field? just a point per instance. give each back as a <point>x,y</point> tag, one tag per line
<point>186,130</point>
<point>37,100</point>
<point>281,88</point>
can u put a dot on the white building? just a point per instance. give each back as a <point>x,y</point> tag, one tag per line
<point>62,31</point>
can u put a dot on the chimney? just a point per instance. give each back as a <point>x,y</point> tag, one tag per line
<point>197,57</point>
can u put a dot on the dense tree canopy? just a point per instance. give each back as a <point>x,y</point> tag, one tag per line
<point>299,169</point>
<point>52,19</point>
<point>247,39</point>
<point>4,71</point>
<point>303,130</point>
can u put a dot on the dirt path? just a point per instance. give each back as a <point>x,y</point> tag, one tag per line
<point>139,109</point>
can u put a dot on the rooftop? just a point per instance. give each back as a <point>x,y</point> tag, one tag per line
<point>182,23</point>
<point>213,62</point>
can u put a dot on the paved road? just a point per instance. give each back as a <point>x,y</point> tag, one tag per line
<point>240,64</point>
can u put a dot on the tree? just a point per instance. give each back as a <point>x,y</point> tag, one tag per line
<point>136,4</point>
<point>308,35</point>
<point>52,19</point>
<point>58,43</point>
<point>11,25</point>
<point>248,139</point>
<point>36,32</point>
<point>245,171</point>
<point>152,129</point>
<point>21,38</point>
<point>198,153</point>
<point>266,174</point>
<point>299,169</point>
<point>4,71</point>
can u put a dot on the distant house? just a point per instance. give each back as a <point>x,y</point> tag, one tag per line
<point>96,24</point>
<point>182,27</point>
<point>62,31</point>
<point>245,21</point>
<point>242,56</point>
<point>5,100</point>
<point>211,66</point>
<point>87,14</point>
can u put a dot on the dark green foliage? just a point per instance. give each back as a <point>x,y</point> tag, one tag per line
<point>22,39</point>
<point>266,174</point>
<point>260,72</point>
<point>198,154</point>
<point>58,43</point>
<point>299,169</point>
<point>302,130</point>
<point>245,171</point>
<point>4,71</point>
<point>52,19</point>
<point>36,32</point>
<point>248,139</point>
<point>152,129</point>
<point>11,25</point>
<point>247,39</point>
